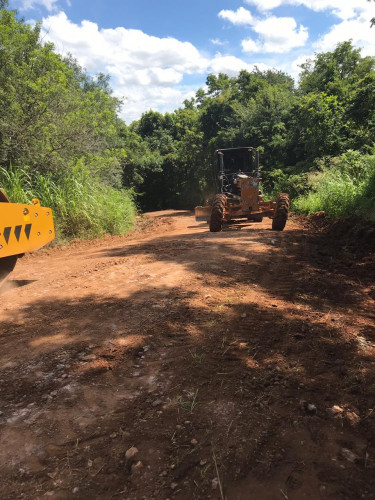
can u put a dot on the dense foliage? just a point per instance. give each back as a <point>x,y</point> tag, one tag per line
<point>61,138</point>
<point>59,135</point>
<point>299,130</point>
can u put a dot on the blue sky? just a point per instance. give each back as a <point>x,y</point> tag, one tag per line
<point>159,52</point>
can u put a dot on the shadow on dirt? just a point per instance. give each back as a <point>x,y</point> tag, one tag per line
<point>250,383</point>
<point>204,386</point>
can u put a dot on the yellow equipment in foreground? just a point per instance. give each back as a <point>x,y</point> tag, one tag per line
<point>23,228</point>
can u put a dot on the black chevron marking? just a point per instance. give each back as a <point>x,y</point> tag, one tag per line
<point>17,232</point>
<point>27,230</point>
<point>7,231</point>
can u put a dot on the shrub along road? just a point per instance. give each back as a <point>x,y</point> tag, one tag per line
<point>176,363</point>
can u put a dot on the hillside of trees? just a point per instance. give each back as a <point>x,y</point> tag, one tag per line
<point>61,138</point>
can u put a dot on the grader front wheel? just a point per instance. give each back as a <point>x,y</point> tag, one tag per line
<point>281,212</point>
<point>217,213</point>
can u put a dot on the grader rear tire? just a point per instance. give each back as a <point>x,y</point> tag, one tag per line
<point>281,212</point>
<point>217,213</point>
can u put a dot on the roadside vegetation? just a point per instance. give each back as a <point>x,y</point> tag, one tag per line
<point>61,138</point>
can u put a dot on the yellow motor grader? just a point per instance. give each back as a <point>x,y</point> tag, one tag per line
<point>23,228</point>
<point>240,198</point>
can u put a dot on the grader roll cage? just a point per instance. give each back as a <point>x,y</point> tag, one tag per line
<point>240,198</point>
<point>23,228</point>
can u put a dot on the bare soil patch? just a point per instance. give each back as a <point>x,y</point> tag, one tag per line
<point>178,363</point>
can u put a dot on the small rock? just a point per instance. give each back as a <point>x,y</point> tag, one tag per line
<point>349,455</point>
<point>203,462</point>
<point>243,315</point>
<point>164,473</point>
<point>146,348</point>
<point>173,466</point>
<point>113,435</point>
<point>174,486</point>
<point>187,422</point>
<point>157,402</point>
<point>53,393</point>
<point>335,410</point>
<point>310,408</point>
<point>131,453</point>
<point>136,468</point>
<point>352,417</point>
<point>194,442</point>
<point>89,357</point>
<point>75,490</point>
<point>207,296</point>
<point>214,483</point>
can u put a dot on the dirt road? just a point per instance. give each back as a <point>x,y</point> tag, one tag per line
<point>240,365</point>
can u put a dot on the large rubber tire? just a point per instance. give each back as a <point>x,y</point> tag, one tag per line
<point>217,213</point>
<point>281,212</point>
<point>6,266</point>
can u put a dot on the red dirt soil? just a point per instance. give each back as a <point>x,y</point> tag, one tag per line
<point>239,364</point>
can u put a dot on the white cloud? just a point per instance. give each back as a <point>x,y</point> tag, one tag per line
<point>276,34</point>
<point>231,65</point>
<point>147,71</point>
<point>358,30</point>
<point>345,9</point>
<point>50,5</point>
<point>217,41</point>
<point>239,17</point>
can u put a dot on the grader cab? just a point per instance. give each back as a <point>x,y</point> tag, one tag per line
<point>239,197</point>
<point>23,228</point>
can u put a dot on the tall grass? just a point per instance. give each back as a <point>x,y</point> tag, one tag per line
<point>345,187</point>
<point>83,206</point>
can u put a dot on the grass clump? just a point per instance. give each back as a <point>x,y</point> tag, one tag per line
<point>83,206</point>
<point>345,187</point>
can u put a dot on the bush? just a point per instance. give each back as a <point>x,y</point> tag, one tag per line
<point>83,206</point>
<point>345,187</point>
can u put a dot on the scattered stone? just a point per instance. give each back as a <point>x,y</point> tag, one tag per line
<point>174,486</point>
<point>136,468</point>
<point>113,435</point>
<point>75,490</point>
<point>214,483</point>
<point>187,422</point>
<point>349,455</point>
<point>54,393</point>
<point>163,474</point>
<point>310,408</point>
<point>131,453</point>
<point>352,417</point>
<point>146,348</point>
<point>173,466</point>
<point>335,411</point>
<point>157,402</point>
<point>207,296</point>
<point>203,462</point>
<point>194,442</point>
<point>89,357</point>
<point>243,315</point>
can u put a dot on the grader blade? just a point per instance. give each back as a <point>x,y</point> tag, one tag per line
<point>203,214</point>
<point>23,228</point>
